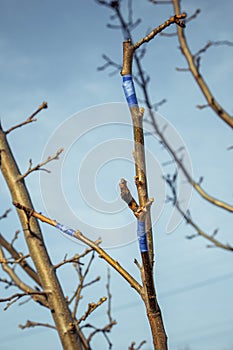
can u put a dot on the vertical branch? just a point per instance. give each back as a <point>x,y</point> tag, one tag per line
<point>139,153</point>
<point>144,220</point>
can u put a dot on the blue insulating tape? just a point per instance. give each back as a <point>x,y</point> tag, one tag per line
<point>142,237</point>
<point>65,229</point>
<point>128,87</point>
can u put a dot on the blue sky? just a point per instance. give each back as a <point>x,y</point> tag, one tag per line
<point>50,50</point>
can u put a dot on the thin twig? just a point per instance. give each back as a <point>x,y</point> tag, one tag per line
<point>8,283</point>
<point>30,119</point>
<point>40,165</point>
<point>88,284</point>
<point>171,181</point>
<point>193,16</point>
<point>4,215</point>
<point>17,232</point>
<point>104,330</point>
<point>91,308</point>
<point>17,261</point>
<point>15,297</point>
<point>31,324</point>
<point>132,346</point>
<point>82,276</point>
<point>109,297</point>
<point>177,19</point>
<point>75,258</point>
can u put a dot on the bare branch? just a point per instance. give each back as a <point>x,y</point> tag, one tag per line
<point>103,330</point>
<point>194,69</point>
<point>8,283</point>
<point>15,297</point>
<point>182,69</point>
<point>97,279</point>
<point>171,181</point>
<point>133,344</point>
<point>17,232</point>
<point>17,261</point>
<point>74,259</point>
<point>193,16</point>
<point>211,44</point>
<point>20,284</point>
<point>109,311</point>
<point>4,215</point>
<point>91,308</point>
<point>17,257</point>
<point>213,200</point>
<point>202,106</point>
<point>30,119</point>
<point>82,277</point>
<point>32,324</point>
<point>144,226</point>
<point>200,232</point>
<point>40,165</point>
<point>109,63</point>
<point>177,19</point>
<point>78,235</point>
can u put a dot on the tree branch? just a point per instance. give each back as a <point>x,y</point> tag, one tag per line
<point>18,261</point>
<point>145,235</point>
<point>5,214</point>
<point>200,232</point>
<point>15,255</point>
<point>177,19</point>
<point>82,277</point>
<point>212,102</point>
<point>40,165</point>
<point>78,235</point>
<point>30,119</point>
<point>143,85</point>
<point>132,346</point>
<point>32,324</point>
<point>20,284</point>
<point>91,308</point>
<point>129,48</point>
<point>70,337</point>
<point>171,181</point>
<point>104,330</point>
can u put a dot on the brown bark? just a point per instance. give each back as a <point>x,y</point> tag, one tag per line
<point>212,102</point>
<point>61,314</point>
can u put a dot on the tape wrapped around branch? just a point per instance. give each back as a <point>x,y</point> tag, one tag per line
<point>142,239</point>
<point>129,90</point>
<point>65,229</point>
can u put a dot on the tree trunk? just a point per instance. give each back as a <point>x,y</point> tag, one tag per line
<point>67,330</point>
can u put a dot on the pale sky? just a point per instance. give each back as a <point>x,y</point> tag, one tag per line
<point>50,50</point>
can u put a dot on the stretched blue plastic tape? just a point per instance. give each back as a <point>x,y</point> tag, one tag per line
<point>129,90</point>
<point>65,229</point>
<point>142,237</point>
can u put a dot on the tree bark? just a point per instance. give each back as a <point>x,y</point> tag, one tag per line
<point>68,333</point>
